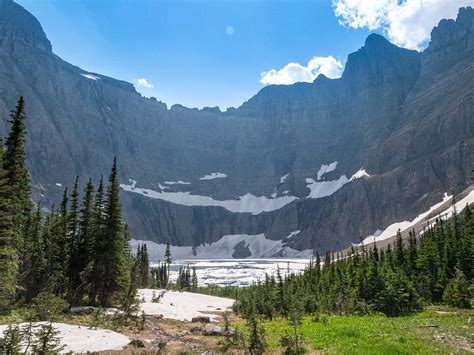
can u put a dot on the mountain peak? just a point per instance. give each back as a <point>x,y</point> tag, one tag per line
<point>381,59</point>
<point>19,26</point>
<point>376,40</point>
<point>450,41</point>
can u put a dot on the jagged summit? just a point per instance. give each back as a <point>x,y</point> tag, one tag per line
<point>17,25</point>
<point>450,41</point>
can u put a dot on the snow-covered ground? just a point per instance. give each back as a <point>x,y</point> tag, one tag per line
<point>258,246</point>
<point>81,339</point>
<point>237,272</point>
<point>183,305</point>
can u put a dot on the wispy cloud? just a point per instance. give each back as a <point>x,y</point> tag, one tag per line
<point>144,83</point>
<point>407,23</point>
<point>295,72</point>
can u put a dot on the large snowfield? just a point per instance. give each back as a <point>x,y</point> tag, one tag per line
<point>81,339</point>
<point>183,305</point>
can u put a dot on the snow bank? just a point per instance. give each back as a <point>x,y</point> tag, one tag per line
<point>392,229</point>
<point>81,339</point>
<point>244,204</point>
<point>258,245</point>
<point>183,305</point>
<point>448,212</point>
<point>90,76</point>
<point>213,176</point>
<point>324,169</point>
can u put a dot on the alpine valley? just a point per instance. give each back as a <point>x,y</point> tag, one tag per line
<point>294,170</point>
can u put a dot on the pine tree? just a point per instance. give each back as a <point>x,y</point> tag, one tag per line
<point>59,249</point>
<point>168,259</point>
<point>113,254</point>
<point>457,292</point>
<point>98,226</point>
<point>35,270</point>
<point>17,173</point>
<point>194,282</point>
<point>257,343</point>
<point>74,246</point>
<point>8,254</point>
<point>86,242</point>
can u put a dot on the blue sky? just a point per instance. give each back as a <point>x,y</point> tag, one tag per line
<point>201,53</point>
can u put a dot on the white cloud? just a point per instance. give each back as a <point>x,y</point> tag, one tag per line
<point>143,82</point>
<point>229,30</point>
<point>407,23</point>
<point>294,72</point>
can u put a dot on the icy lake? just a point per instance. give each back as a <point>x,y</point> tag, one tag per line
<point>237,272</point>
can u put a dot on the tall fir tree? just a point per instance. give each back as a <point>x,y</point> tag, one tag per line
<point>17,172</point>
<point>8,254</point>
<point>113,254</point>
<point>73,246</point>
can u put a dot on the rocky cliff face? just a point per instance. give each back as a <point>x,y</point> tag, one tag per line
<point>398,123</point>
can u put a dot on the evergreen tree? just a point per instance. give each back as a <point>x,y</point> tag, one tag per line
<point>86,242</point>
<point>8,253</point>
<point>98,266</point>
<point>457,292</point>
<point>257,343</point>
<point>168,259</point>
<point>74,261</point>
<point>17,173</point>
<point>35,269</point>
<point>113,252</point>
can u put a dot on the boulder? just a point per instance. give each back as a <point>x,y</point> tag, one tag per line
<point>201,319</point>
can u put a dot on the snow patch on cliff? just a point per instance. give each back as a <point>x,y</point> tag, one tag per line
<point>90,76</point>
<point>179,182</point>
<point>359,174</point>
<point>319,189</point>
<point>244,204</point>
<point>283,178</point>
<point>213,176</point>
<point>324,169</point>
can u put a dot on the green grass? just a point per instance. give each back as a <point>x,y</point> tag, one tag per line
<point>427,332</point>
